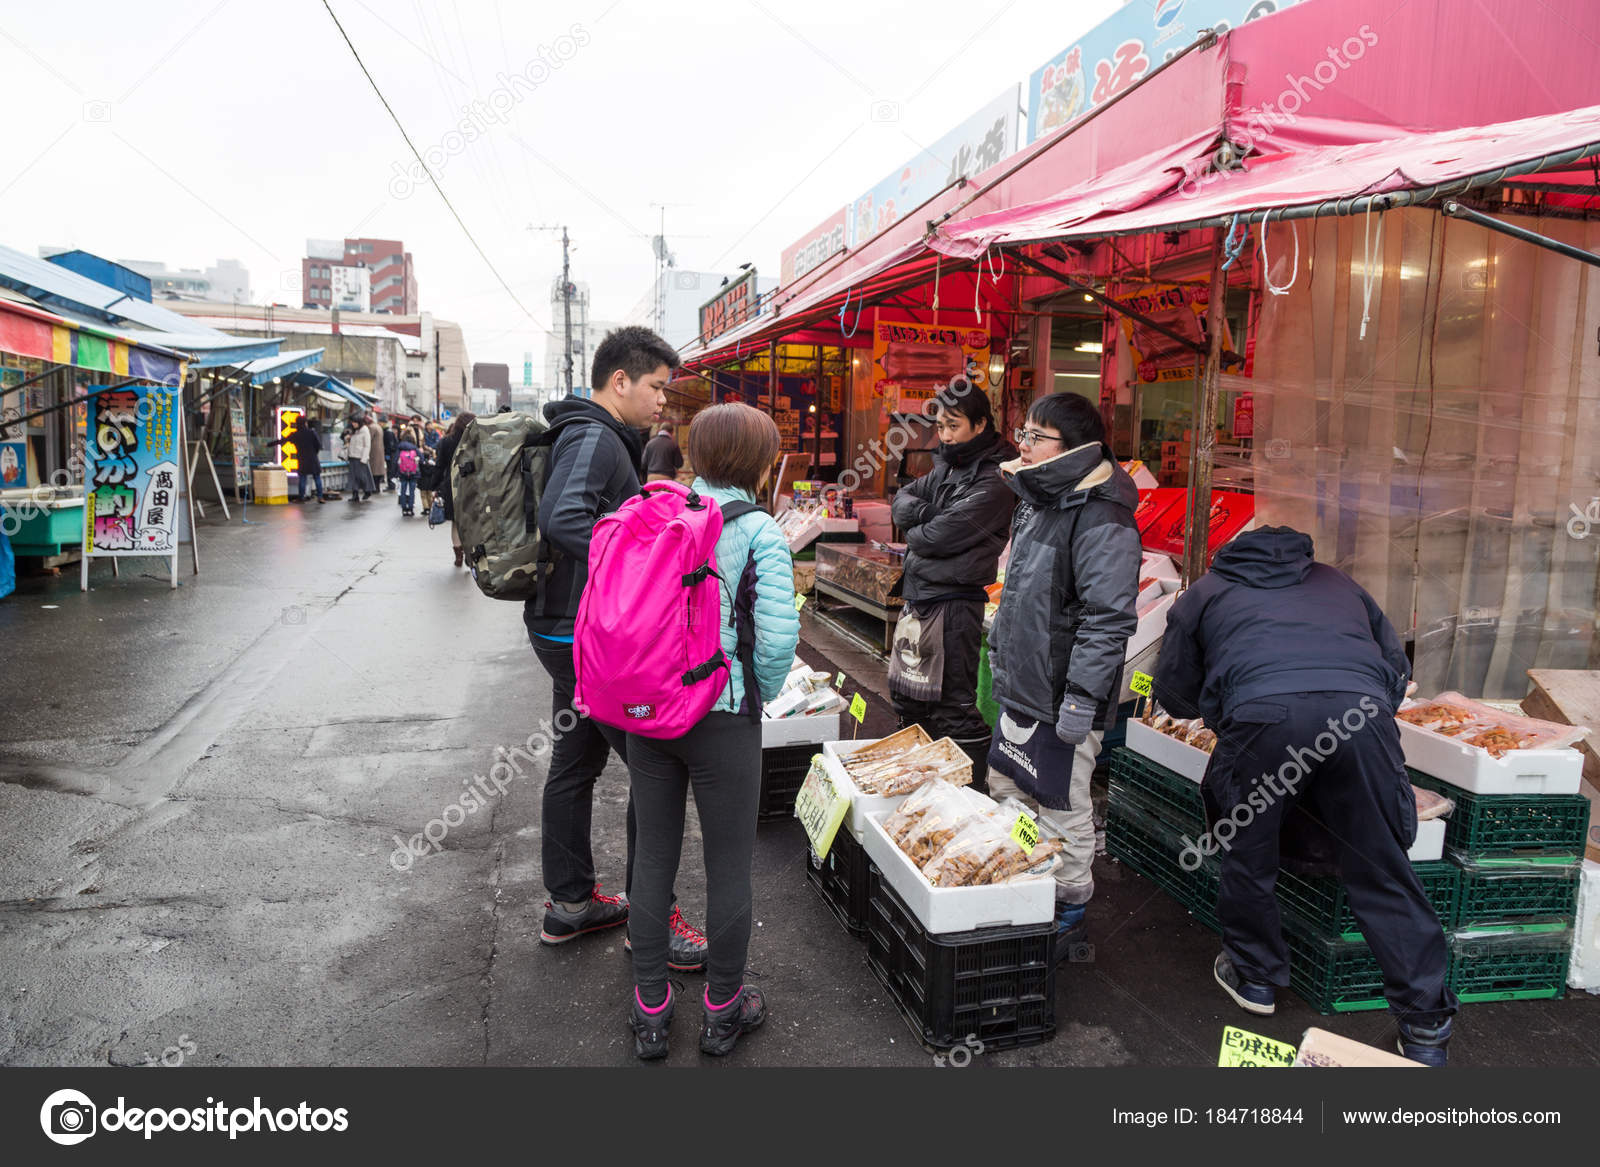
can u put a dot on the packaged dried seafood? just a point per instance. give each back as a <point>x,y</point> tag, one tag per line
<point>1431,804</point>
<point>983,852</point>
<point>903,772</point>
<point>1484,727</point>
<point>930,817</point>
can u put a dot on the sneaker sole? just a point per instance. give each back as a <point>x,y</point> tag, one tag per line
<point>1247,1006</point>
<point>546,938</point>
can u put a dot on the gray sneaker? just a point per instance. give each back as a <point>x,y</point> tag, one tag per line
<point>601,912</point>
<point>686,944</point>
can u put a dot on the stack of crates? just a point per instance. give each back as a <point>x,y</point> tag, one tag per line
<point>1153,814</point>
<point>1520,857</point>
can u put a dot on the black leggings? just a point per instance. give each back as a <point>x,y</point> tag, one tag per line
<point>721,759</point>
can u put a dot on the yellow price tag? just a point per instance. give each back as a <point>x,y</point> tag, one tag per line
<point>1025,834</point>
<point>799,601</point>
<point>820,807</point>
<point>1243,1050</point>
<point>1141,683</point>
<point>838,682</point>
<point>858,708</point>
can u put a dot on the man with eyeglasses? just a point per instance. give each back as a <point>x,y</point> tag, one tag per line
<point>1062,631</point>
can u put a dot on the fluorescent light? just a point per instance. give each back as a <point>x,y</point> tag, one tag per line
<point>1090,346</point>
<point>1085,376</point>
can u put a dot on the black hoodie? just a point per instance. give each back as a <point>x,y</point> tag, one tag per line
<point>594,469</point>
<point>956,519</point>
<point>1266,620</point>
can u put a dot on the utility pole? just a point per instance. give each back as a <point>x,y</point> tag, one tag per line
<point>566,304</point>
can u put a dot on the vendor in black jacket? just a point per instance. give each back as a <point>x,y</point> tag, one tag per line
<point>1299,673</point>
<point>1062,631</point>
<point>955,519</point>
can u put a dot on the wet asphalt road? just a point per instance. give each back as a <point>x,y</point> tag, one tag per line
<point>201,789</point>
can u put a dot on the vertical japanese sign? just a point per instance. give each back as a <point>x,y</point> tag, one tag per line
<point>240,433</point>
<point>132,481</point>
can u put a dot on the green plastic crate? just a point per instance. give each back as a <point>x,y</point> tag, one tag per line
<point>1331,973</point>
<point>1322,901</point>
<point>1511,824</point>
<point>1517,963</point>
<point>1179,797</point>
<point>1129,842</point>
<point>1495,890</point>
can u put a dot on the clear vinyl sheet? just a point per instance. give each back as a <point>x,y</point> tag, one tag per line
<point>1449,461</point>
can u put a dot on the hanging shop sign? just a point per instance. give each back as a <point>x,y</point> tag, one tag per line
<point>729,308</point>
<point>131,472</point>
<point>984,139</point>
<point>1122,49</point>
<point>814,248</point>
<point>288,420</point>
<point>1180,309</point>
<point>13,464</point>
<point>912,362</point>
<point>1244,416</point>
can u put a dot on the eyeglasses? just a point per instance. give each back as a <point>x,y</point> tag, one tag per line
<point>1031,437</point>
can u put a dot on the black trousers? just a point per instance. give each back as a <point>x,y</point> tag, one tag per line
<point>577,759</point>
<point>955,714</point>
<point>720,760</point>
<point>1334,758</point>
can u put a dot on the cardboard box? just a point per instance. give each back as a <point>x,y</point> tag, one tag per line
<point>1321,1049</point>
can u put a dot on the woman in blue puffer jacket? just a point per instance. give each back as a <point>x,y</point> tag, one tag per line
<point>732,448</point>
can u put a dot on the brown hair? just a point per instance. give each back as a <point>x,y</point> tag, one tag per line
<point>733,445</point>
<point>462,421</point>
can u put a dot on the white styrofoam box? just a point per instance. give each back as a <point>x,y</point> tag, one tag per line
<point>1584,972</point>
<point>797,731</point>
<point>1153,624</point>
<point>1167,751</point>
<point>861,804</point>
<point>1144,662</point>
<point>956,909</point>
<point>1158,565</point>
<point>1556,771</point>
<point>1430,842</point>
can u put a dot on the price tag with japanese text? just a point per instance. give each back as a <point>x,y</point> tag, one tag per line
<point>1140,684</point>
<point>799,601</point>
<point>858,708</point>
<point>1241,1049</point>
<point>820,807</point>
<point>1025,834</point>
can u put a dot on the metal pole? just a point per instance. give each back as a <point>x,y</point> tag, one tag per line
<point>1197,525</point>
<point>1455,210</point>
<point>772,378</point>
<point>566,305</point>
<point>817,405</point>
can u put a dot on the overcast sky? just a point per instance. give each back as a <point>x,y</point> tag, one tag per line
<point>183,132</point>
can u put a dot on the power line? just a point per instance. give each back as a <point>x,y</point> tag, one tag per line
<point>415,154</point>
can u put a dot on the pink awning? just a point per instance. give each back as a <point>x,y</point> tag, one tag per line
<point>1307,177</point>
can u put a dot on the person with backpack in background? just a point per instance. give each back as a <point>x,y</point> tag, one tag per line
<point>408,466</point>
<point>358,454</point>
<point>733,448</point>
<point>427,472</point>
<point>956,519</point>
<point>593,467</point>
<point>447,451</point>
<point>1061,633</point>
<point>391,450</point>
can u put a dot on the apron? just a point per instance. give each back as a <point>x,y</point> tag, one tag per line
<point>1030,754</point>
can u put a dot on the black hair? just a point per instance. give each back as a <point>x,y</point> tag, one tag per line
<point>635,350</point>
<point>968,400</point>
<point>1076,418</point>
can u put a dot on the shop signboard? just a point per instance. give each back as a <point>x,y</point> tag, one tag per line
<point>1122,49</point>
<point>985,138</point>
<point>132,480</point>
<point>729,308</point>
<point>288,418</point>
<point>240,433</point>
<point>1181,309</point>
<point>814,248</point>
<point>912,362</point>
<point>13,464</point>
<point>1244,416</point>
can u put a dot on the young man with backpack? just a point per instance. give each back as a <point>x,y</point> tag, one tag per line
<point>594,457</point>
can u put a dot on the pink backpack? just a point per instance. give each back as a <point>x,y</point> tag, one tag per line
<point>647,645</point>
<point>407,461</point>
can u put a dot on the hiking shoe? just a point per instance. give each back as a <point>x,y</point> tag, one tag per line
<point>649,1026</point>
<point>1250,996</point>
<point>686,944</point>
<point>724,1026</point>
<point>601,912</point>
<point>1072,934</point>
<point>1425,1044</point>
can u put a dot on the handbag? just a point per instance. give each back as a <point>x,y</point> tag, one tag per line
<point>916,663</point>
<point>436,513</point>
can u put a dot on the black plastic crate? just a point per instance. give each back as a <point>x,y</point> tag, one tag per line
<point>1518,963</point>
<point>1322,901</point>
<point>783,772</point>
<point>1178,797</point>
<point>997,985</point>
<point>1511,824</point>
<point>841,879</point>
<point>1500,890</point>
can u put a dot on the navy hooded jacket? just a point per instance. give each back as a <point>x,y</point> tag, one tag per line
<point>1266,620</point>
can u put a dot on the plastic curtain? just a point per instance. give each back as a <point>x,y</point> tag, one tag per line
<point>1449,462</point>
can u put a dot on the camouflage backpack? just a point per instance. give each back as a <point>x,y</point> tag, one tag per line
<point>496,480</point>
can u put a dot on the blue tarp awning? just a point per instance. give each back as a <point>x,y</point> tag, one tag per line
<point>265,369</point>
<point>328,383</point>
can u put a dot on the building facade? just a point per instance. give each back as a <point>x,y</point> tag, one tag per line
<point>671,305</point>
<point>391,275</point>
